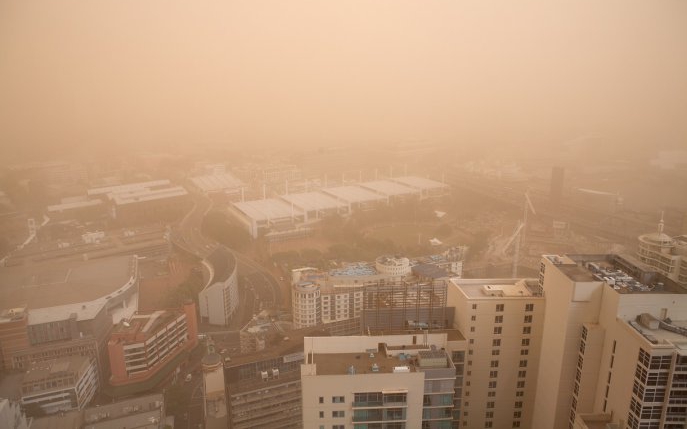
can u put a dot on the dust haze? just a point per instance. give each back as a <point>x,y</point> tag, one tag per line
<point>476,75</point>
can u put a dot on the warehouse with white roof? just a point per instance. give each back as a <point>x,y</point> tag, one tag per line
<point>316,205</point>
<point>428,188</point>
<point>355,197</point>
<point>392,191</point>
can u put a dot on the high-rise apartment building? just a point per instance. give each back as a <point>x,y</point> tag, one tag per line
<point>614,346</point>
<point>382,381</point>
<point>219,299</point>
<point>502,320</point>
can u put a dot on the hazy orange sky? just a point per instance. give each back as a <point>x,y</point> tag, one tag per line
<point>77,74</point>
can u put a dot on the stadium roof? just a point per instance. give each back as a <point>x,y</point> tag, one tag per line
<point>419,182</point>
<point>353,194</point>
<point>54,286</point>
<point>216,182</point>
<point>268,209</point>
<point>388,188</point>
<point>313,201</point>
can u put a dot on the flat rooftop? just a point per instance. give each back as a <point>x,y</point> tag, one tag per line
<point>663,337</point>
<point>362,363</point>
<point>309,201</point>
<point>268,209</point>
<point>54,368</point>
<point>389,188</point>
<point>623,273</point>
<point>353,194</point>
<point>130,413</point>
<point>496,288</point>
<point>63,282</point>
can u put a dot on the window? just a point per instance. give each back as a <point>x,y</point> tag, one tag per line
<point>524,352</point>
<point>496,342</point>
<point>337,399</point>
<point>338,414</point>
<point>526,329</point>
<point>525,342</point>
<point>529,307</point>
<point>488,424</point>
<point>490,404</point>
<point>489,415</point>
<point>499,307</point>
<point>492,385</point>
<point>339,427</point>
<point>497,330</point>
<point>517,414</point>
<point>528,318</point>
<point>474,306</point>
<point>498,319</point>
<point>522,374</point>
<point>516,424</point>
<point>321,399</point>
<point>469,362</point>
<point>473,317</point>
<point>472,341</point>
<point>518,404</point>
<point>470,351</point>
<point>494,364</point>
<point>523,364</point>
<point>493,374</point>
<point>491,394</point>
<point>519,393</point>
<point>472,329</point>
<point>495,352</point>
<point>321,414</point>
<point>521,384</point>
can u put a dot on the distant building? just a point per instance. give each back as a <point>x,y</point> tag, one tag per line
<point>60,385</point>
<point>148,347</point>
<point>219,299</point>
<point>665,254</point>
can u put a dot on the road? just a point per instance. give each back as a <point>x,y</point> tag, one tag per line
<point>259,287</point>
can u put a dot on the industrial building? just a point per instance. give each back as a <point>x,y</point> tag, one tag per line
<point>219,183</point>
<point>614,346</point>
<point>146,348</point>
<point>502,320</point>
<point>427,188</point>
<point>394,381</point>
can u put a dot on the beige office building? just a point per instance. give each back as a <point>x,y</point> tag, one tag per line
<point>382,381</point>
<point>614,346</point>
<point>502,320</point>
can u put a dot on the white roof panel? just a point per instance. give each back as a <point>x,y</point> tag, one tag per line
<point>353,194</point>
<point>268,209</point>
<point>313,201</point>
<point>388,188</point>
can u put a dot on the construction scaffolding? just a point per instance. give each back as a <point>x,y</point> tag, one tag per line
<point>405,305</point>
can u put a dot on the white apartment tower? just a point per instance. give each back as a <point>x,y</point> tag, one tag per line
<point>402,381</point>
<point>665,254</point>
<point>614,346</point>
<point>502,320</point>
